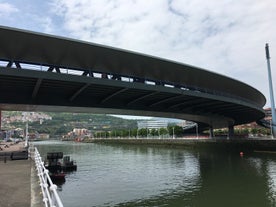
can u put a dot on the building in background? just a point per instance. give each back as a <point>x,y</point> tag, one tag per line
<point>152,124</point>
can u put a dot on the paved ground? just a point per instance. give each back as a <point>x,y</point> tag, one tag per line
<point>15,183</point>
<point>11,147</point>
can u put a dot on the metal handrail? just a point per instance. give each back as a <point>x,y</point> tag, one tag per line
<point>98,74</point>
<point>49,190</point>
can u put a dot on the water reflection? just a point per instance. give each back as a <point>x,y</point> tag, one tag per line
<point>265,167</point>
<point>271,170</point>
<point>257,163</point>
<point>114,175</point>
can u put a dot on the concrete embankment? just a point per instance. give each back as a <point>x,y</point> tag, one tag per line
<point>15,183</point>
<point>252,144</point>
<point>19,182</point>
<point>13,151</point>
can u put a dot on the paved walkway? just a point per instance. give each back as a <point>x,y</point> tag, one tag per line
<point>15,189</point>
<point>6,147</point>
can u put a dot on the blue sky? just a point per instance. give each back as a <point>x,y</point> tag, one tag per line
<point>226,37</point>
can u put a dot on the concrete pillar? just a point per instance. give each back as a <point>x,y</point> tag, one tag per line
<point>211,132</point>
<point>230,131</point>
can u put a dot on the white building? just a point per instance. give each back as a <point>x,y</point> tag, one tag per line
<point>152,124</point>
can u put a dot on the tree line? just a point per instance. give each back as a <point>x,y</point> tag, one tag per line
<point>171,130</point>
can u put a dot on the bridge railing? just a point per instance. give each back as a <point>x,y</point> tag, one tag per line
<point>49,190</point>
<point>97,74</point>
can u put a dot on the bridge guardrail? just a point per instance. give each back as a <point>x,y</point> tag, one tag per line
<point>49,190</point>
<point>101,75</point>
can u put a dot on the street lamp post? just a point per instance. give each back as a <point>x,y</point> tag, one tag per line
<point>196,130</point>
<point>159,132</point>
<point>273,113</point>
<point>173,133</point>
<point>27,134</point>
<point>271,128</point>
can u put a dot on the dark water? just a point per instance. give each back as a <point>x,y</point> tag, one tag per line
<point>111,175</point>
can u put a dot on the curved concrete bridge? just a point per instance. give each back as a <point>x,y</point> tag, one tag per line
<point>41,72</point>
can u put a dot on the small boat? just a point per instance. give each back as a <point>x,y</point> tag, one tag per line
<point>52,163</point>
<point>58,176</point>
<point>57,167</point>
<point>68,164</point>
<point>54,167</point>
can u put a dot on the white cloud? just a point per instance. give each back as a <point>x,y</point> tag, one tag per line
<point>28,14</point>
<point>47,24</point>
<point>7,9</point>
<point>226,37</point>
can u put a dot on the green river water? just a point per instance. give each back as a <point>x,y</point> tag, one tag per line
<point>114,175</point>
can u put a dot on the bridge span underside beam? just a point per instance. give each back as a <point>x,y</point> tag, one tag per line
<point>45,72</point>
<point>49,91</point>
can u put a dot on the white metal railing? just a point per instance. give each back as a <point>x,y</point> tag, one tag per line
<point>49,190</point>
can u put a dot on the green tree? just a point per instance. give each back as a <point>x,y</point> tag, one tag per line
<point>124,133</point>
<point>170,129</point>
<point>254,130</point>
<point>142,132</point>
<point>133,132</point>
<point>163,131</point>
<point>245,131</point>
<point>114,133</point>
<point>62,130</point>
<point>154,132</point>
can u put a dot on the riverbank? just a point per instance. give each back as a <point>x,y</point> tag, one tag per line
<point>19,182</point>
<point>13,151</point>
<point>15,183</point>
<point>241,144</point>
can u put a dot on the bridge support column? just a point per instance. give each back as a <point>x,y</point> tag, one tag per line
<point>211,132</point>
<point>230,131</point>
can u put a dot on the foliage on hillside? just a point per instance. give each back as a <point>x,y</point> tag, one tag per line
<point>63,123</point>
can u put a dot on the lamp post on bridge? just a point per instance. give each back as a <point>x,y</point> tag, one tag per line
<point>273,123</point>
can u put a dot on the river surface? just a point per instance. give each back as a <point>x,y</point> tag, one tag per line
<point>114,175</point>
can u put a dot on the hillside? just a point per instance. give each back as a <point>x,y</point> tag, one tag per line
<point>62,123</point>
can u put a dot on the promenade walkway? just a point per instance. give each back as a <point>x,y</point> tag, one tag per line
<point>15,176</point>
<point>15,189</point>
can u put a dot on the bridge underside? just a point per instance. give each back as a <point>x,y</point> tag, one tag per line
<point>40,72</point>
<point>33,90</point>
